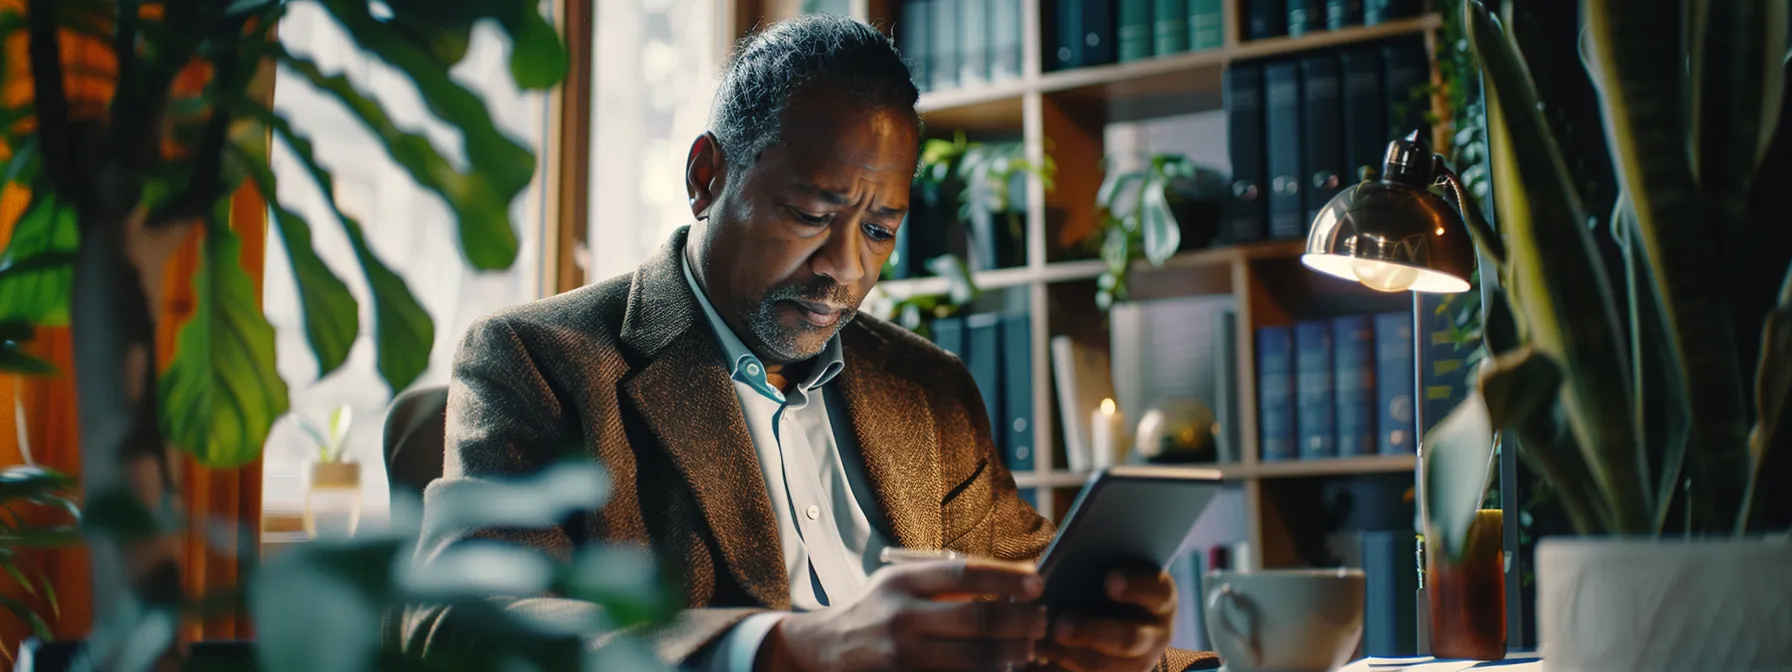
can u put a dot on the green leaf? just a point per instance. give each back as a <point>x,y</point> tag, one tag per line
<point>14,359</point>
<point>222,392</point>
<point>24,160</point>
<point>32,481</point>
<point>34,283</point>
<point>332,316</point>
<point>1115,187</point>
<point>402,331</point>
<point>960,287</point>
<point>480,199</point>
<point>1773,398</point>
<point>537,59</point>
<point>1162,234</point>
<point>1648,142</point>
<point>625,581</point>
<point>1559,288</point>
<point>25,613</point>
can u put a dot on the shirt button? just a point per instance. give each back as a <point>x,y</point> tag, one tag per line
<point>813,512</point>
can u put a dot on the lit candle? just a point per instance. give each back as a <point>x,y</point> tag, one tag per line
<point>1107,434</point>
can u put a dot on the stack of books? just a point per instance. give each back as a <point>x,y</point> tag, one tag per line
<point>1293,18</point>
<point>951,44</point>
<point>998,350</point>
<point>1343,387</point>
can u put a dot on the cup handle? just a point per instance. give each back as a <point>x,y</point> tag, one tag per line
<point>1226,601</point>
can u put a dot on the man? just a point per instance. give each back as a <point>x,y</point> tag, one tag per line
<point>768,442</point>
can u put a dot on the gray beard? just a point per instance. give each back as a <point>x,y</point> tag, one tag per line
<point>782,343</point>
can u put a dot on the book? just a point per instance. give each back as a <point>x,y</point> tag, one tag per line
<point>1005,39</point>
<point>1017,392</point>
<point>1396,384</point>
<point>1247,215</point>
<point>1305,16</point>
<point>1382,11</point>
<point>1406,76</point>
<point>1390,614</point>
<point>983,342</point>
<point>1322,133</point>
<point>1230,441</point>
<point>1206,24</point>
<point>1275,393</point>
<point>911,40</point>
<point>947,50</point>
<point>948,333</point>
<point>1133,28</point>
<point>1313,389</point>
<point>1365,121</point>
<point>1266,18</point>
<point>1282,138</point>
<point>1082,32</point>
<point>1343,13</point>
<point>1443,357</point>
<point>1353,385</point>
<point>1083,377</point>
<point>1169,22</point>
<point>973,42</point>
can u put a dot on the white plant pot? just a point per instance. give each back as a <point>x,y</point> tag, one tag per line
<point>333,499</point>
<point>1647,605</point>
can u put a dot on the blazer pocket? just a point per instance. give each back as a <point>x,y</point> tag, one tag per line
<point>968,504</point>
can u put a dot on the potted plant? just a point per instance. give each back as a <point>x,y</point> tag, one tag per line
<point>1654,429</point>
<point>1143,215</point>
<point>130,123</point>
<point>334,489</point>
<point>987,226</point>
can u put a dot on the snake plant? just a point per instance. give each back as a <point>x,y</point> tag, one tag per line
<point>1571,343</point>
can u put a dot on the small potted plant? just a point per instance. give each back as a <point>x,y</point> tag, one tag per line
<point>334,490</point>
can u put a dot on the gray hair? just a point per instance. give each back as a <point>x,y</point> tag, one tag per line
<point>770,67</point>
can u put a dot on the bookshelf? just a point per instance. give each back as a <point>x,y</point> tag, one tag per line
<point>1067,111</point>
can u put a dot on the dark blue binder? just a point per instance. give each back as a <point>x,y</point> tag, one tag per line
<point>1132,29</point>
<point>1247,215</point>
<point>1313,389</point>
<point>1282,138</point>
<point>1353,385</point>
<point>1169,27</point>
<point>1305,16</point>
<point>1083,34</point>
<point>1396,384</point>
<point>1018,448</point>
<point>1275,393</point>
<point>1322,132</point>
<point>912,32</point>
<point>948,333</point>
<point>1343,13</point>
<point>1365,120</point>
<point>1266,18</point>
<point>983,339</point>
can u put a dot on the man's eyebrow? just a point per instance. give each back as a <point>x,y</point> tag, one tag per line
<point>839,198</point>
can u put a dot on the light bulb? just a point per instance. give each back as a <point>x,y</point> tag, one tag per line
<point>1383,276</point>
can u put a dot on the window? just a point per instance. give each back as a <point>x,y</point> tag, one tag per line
<point>654,72</point>
<point>410,228</point>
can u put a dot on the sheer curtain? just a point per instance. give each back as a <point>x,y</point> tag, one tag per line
<point>411,229</point>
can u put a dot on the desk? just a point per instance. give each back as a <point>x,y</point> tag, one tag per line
<point>1514,662</point>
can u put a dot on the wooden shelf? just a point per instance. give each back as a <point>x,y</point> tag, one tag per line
<point>1069,271</point>
<point>1122,87</point>
<point>1343,466</point>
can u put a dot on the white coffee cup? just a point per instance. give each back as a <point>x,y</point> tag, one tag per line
<point>1296,620</point>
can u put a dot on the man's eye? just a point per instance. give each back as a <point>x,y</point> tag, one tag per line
<point>878,233</point>
<point>809,217</point>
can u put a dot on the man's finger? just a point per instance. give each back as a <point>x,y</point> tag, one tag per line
<point>964,654</point>
<point>1117,638</point>
<point>1148,589</point>
<point>1019,581</point>
<point>977,620</point>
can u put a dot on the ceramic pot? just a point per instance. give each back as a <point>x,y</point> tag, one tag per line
<point>1649,605</point>
<point>333,498</point>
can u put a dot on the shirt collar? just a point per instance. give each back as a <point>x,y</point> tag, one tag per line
<point>744,365</point>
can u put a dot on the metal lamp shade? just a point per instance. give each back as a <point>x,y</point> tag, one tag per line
<point>1392,237</point>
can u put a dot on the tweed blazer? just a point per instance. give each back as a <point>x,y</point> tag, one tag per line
<point>629,372</point>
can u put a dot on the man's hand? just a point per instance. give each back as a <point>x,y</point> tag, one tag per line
<point>1090,643</point>
<point>918,617</point>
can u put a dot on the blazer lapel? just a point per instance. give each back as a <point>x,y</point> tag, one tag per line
<point>897,440</point>
<point>686,397</point>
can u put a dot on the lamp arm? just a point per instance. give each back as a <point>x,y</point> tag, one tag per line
<point>1478,227</point>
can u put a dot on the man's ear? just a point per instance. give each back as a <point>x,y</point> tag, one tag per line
<point>705,170</point>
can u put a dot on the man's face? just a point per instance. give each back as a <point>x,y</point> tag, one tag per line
<point>796,240</point>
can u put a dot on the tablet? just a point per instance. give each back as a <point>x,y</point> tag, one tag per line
<point>1126,515</point>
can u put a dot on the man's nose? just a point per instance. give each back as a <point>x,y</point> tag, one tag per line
<point>838,257</point>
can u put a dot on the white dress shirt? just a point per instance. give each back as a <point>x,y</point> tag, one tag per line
<point>822,502</point>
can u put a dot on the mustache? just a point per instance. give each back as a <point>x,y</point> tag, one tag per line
<point>820,289</point>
